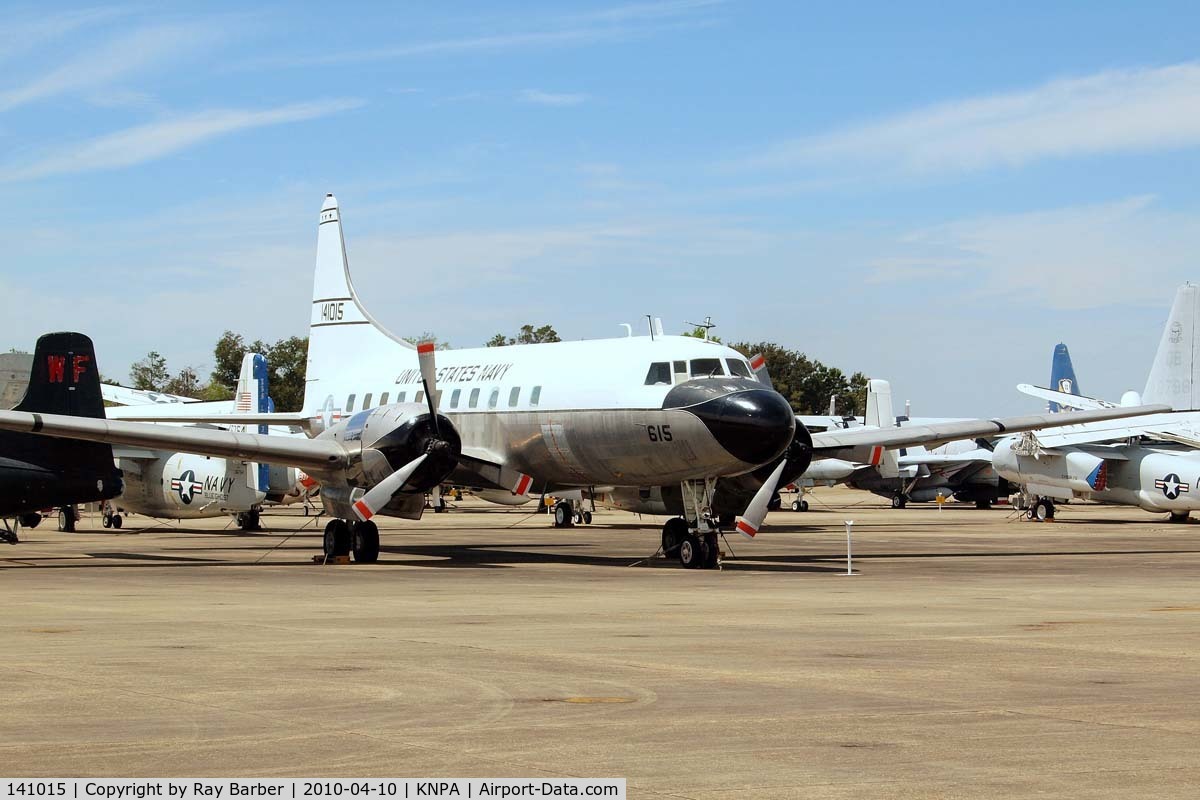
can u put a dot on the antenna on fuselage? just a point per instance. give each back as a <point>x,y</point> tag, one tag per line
<point>707,325</point>
<point>650,322</point>
<point>628,329</point>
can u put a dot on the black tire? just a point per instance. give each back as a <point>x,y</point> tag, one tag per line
<point>106,521</point>
<point>366,542</point>
<point>804,505</point>
<point>578,518</point>
<point>673,532</point>
<point>249,521</point>
<point>66,520</point>
<point>691,552</point>
<point>116,521</point>
<point>563,514</point>
<point>1179,518</point>
<point>983,505</point>
<point>899,501</point>
<point>1043,510</point>
<point>31,521</point>
<point>587,518</point>
<point>336,541</point>
<point>796,505</point>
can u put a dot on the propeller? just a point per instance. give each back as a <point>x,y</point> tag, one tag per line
<point>749,522</point>
<point>381,493</point>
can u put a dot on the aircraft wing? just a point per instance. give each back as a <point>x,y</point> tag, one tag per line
<point>202,413</point>
<point>1175,426</point>
<point>311,455</point>
<point>124,396</point>
<point>1063,398</point>
<point>932,434</point>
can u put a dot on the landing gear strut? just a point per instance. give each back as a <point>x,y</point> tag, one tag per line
<point>8,534</point>
<point>694,538</point>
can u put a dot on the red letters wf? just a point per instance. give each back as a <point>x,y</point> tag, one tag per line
<point>55,366</point>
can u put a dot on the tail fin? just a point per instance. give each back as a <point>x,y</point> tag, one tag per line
<point>1173,377</point>
<point>341,333</point>
<point>879,414</point>
<point>1062,375</point>
<point>64,378</point>
<point>251,397</point>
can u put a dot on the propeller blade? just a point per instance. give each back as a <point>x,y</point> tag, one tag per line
<point>749,523</point>
<point>381,494</point>
<point>428,363</point>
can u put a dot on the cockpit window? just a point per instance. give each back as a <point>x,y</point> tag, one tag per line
<point>660,372</point>
<point>703,367</point>
<point>739,367</point>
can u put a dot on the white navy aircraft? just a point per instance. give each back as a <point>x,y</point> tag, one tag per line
<point>180,485</point>
<point>388,423</point>
<point>1152,462</point>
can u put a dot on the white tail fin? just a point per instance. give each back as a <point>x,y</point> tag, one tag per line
<point>879,414</point>
<point>343,338</point>
<point>251,397</point>
<point>1173,378</point>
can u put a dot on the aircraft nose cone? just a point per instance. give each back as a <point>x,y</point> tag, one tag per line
<point>754,424</point>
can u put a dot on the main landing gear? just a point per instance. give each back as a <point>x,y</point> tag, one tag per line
<point>249,521</point>
<point>899,500</point>
<point>343,538</point>
<point>1042,509</point>
<point>67,516</point>
<point>567,514</point>
<point>695,538</point>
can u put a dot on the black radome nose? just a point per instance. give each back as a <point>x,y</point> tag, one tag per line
<point>754,425</point>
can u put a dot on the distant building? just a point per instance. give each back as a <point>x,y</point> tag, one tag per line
<point>14,377</point>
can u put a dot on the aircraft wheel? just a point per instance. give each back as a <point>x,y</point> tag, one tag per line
<point>1042,510</point>
<point>336,541</point>
<point>116,521</point>
<point>673,532</point>
<point>587,518</point>
<point>983,504</point>
<point>578,517</point>
<point>106,521</point>
<point>66,520</point>
<point>899,501</point>
<point>691,552</point>
<point>249,521</point>
<point>799,505</point>
<point>366,542</point>
<point>1179,517</point>
<point>31,521</point>
<point>563,514</point>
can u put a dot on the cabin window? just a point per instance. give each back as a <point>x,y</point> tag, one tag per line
<point>383,398</point>
<point>514,396</point>
<point>367,401</point>
<point>535,395</point>
<point>660,373</point>
<point>704,367</point>
<point>474,398</point>
<point>739,367</point>
<point>350,403</point>
<point>494,398</point>
<point>457,393</point>
<point>400,397</point>
<point>680,366</point>
<point>420,398</point>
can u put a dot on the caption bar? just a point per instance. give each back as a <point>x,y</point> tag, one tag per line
<point>300,788</point>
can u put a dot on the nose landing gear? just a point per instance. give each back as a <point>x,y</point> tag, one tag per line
<point>694,539</point>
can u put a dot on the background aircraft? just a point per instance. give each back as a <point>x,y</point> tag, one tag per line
<point>38,473</point>
<point>1151,463</point>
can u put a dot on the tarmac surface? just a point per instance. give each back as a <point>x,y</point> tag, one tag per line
<point>972,655</point>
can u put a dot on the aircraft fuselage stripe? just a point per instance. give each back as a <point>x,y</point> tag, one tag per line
<point>331,324</point>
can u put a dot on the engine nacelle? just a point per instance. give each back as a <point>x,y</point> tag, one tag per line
<point>394,435</point>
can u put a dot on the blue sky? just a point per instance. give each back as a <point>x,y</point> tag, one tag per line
<point>932,196</point>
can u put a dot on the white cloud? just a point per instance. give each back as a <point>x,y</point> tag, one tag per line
<point>541,98</point>
<point>1129,110</point>
<point>158,139</point>
<point>22,35</point>
<point>1120,253</point>
<point>115,59</point>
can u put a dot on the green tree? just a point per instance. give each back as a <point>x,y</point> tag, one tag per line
<point>227,364</point>
<point>698,333</point>
<point>527,335</point>
<point>427,336</point>
<point>150,373</point>
<point>287,365</point>
<point>185,384</point>
<point>807,383</point>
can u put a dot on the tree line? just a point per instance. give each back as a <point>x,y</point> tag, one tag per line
<point>805,382</point>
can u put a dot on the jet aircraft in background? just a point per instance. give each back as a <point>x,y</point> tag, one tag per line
<point>673,412</point>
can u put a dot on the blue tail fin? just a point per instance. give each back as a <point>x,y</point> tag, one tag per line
<point>1062,375</point>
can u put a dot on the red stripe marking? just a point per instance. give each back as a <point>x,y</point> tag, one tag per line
<point>876,455</point>
<point>746,528</point>
<point>425,347</point>
<point>757,362</point>
<point>523,485</point>
<point>364,509</point>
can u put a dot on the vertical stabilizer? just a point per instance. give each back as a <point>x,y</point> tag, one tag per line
<point>1062,375</point>
<point>251,397</point>
<point>879,414</point>
<point>1173,378</point>
<point>343,339</point>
